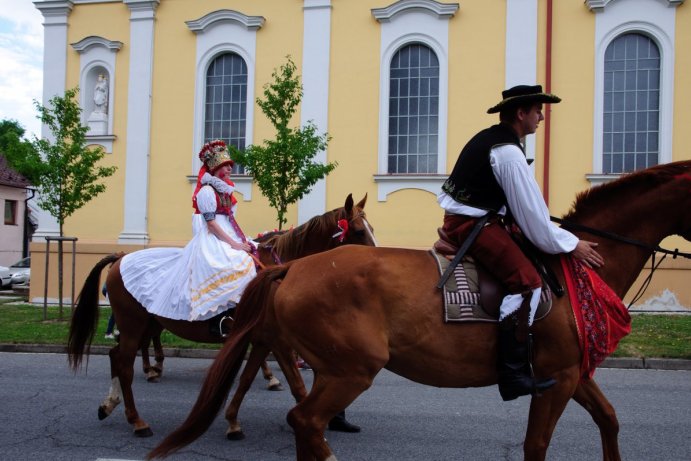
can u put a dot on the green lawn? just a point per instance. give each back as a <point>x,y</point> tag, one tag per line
<point>652,336</point>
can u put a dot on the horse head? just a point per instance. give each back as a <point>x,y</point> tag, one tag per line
<point>353,225</point>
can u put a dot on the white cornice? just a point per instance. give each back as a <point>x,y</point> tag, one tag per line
<point>142,9</point>
<point>54,10</point>
<point>441,10</point>
<point>598,6</point>
<point>93,40</point>
<point>201,24</point>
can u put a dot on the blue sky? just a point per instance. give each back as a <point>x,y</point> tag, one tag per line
<point>21,62</point>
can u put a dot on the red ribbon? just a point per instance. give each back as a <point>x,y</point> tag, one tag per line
<point>343,226</point>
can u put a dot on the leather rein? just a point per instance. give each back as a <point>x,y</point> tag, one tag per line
<point>653,249</point>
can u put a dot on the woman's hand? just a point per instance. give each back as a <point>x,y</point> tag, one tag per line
<point>240,246</point>
<point>585,251</point>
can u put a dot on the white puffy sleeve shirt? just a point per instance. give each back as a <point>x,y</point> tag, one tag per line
<point>525,202</point>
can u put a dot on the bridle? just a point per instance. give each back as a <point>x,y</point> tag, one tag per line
<point>652,249</point>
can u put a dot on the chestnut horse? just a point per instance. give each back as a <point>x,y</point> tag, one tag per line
<point>137,326</point>
<point>351,312</point>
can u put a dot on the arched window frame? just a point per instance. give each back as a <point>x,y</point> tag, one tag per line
<point>219,32</point>
<point>613,20</point>
<point>402,23</point>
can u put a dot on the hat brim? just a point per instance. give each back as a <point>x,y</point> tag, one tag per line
<point>545,98</point>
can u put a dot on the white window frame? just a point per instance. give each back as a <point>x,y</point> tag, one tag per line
<point>613,19</point>
<point>220,32</point>
<point>402,23</point>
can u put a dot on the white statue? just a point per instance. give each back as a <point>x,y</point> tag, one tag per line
<point>98,120</point>
<point>101,95</point>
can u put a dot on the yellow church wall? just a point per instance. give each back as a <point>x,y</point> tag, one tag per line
<point>681,141</point>
<point>100,220</point>
<point>573,67</point>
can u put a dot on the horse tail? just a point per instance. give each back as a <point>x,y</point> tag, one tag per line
<point>85,316</point>
<point>250,312</point>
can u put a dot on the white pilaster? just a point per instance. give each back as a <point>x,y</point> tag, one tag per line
<point>521,50</point>
<point>315,82</point>
<point>142,16</point>
<point>55,13</point>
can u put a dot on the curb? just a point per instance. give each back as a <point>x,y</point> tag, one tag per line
<point>611,362</point>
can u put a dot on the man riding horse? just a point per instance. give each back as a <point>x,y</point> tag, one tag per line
<point>490,187</point>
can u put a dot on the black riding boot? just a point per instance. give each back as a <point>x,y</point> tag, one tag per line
<point>340,423</point>
<point>516,376</point>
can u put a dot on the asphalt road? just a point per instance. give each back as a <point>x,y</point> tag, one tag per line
<point>49,413</point>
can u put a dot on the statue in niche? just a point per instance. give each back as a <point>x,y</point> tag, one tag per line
<point>98,120</point>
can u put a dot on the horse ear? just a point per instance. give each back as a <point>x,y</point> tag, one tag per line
<point>349,204</point>
<point>361,203</point>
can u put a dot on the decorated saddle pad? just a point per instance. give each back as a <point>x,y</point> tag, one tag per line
<point>462,296</point>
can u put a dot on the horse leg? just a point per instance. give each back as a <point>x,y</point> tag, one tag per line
<point>590,397</point>
<point>153,373</point>
<point>274,384</point>
<point>256,356</point>
<point>123,360</point>
<point>545,411</point>
<point>114,396</point>
<point>328,396</point>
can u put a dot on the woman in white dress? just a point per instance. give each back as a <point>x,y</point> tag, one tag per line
<point>209,274</point>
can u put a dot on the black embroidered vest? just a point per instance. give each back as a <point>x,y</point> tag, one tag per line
<point>472,181</point>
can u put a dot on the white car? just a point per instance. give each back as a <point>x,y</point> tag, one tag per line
<point>18,273</point>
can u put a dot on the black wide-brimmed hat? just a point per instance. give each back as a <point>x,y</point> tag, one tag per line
<point>523,94</point>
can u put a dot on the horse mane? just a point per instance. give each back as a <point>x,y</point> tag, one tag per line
<point>630,185</point>
<point>288,245</point>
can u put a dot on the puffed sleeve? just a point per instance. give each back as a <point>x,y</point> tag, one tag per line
<point>206,201</point>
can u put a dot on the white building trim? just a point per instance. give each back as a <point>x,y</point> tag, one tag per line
<point>219,32</point>
<point>55,14</point>
<point>521,51</point>
<point>97,56</point>
<point>142,17</point>
<point>656,20</point>
<point>315,83</point>
<point>402,23</point>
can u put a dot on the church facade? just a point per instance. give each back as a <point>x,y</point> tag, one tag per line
<point>400,86</point>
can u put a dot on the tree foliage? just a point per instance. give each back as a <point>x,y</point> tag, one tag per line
<point>283,167</point>
<point>64,170</point>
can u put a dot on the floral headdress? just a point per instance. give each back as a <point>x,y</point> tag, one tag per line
<point>214,155</point>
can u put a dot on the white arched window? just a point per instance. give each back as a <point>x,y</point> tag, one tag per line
<point>407,157</point>
<point>628,35</point>
<point>631,106</point>
<point>225,115</point>
<point>413,111</point>
<point>226,55</point>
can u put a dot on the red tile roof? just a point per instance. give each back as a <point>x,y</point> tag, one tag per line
<point>9,177</point>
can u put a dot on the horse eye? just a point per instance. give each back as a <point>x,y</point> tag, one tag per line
<point>360,232</point>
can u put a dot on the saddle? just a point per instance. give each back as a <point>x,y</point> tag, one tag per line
<point>473,293</point>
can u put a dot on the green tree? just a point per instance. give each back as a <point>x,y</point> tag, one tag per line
<point>63,170</point>
<point>283,167</point>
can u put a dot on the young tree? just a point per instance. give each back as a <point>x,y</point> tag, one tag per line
<point>283,167</point>
<point>64,171</point>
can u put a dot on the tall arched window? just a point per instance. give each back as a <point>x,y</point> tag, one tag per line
<point>413,110</point>
<point>226,102</point>
<point>631,104</point>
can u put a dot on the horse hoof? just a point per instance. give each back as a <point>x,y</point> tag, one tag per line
<point>275,387</point>
<point>239,435</point>
<point>145,432</point>
<point>102,414</point>
<point>152,379</point>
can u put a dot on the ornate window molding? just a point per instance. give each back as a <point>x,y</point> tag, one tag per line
<point>97,57</point>
<point>599,6</point>
<point>402,23</point>
<point>217,33</point>
<point>659,25</point>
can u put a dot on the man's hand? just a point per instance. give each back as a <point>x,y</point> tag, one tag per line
<point>585,251</point>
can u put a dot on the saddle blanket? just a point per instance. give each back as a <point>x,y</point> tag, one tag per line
<point>462,299</point>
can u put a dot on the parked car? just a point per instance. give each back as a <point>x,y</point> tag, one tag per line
<point>18,273</point>
<point>5,277</point>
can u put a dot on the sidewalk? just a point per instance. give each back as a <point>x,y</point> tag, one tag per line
<point>612,362</point>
